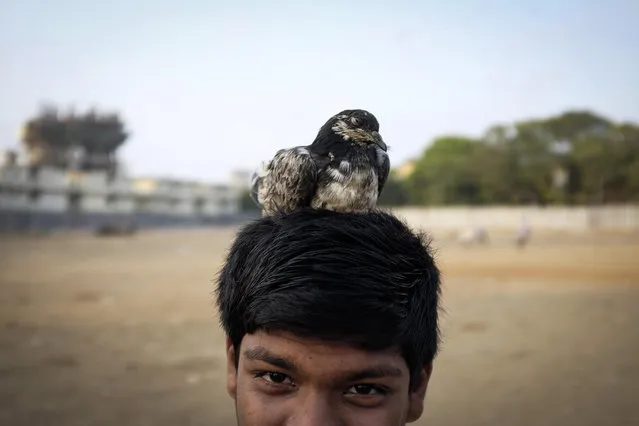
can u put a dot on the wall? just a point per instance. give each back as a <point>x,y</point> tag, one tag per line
<point>93,183</point>
<point>50,203</point>
<point>94,203</point>
<point>49,179</point>
<point>12,199</point>
<point>57,199</point>
<point>619,217</point>
<point>121,205</point>
<point>16,177</point>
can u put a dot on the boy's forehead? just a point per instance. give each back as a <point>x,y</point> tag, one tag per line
<point>305,354</point>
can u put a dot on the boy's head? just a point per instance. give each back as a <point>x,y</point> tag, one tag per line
<point>331,318</point>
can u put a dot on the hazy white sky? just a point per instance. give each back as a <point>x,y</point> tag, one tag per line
<point>207,86</point>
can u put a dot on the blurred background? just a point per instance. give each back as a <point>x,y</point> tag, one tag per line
<point>129,131</point>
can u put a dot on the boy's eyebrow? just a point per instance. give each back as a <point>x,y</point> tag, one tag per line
<point>374,372</point>
<point>260,353</point>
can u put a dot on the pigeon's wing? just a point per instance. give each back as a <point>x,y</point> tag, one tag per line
<point>289,181</point>
<point>321,160</point>
<point>383,169</point>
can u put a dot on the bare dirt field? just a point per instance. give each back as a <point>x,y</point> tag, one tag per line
<point>122,331</point>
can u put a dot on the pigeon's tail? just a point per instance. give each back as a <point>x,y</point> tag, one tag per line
<point>256,179</point>
<point>255,185</point>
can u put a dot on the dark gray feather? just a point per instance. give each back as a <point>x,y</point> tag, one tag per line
<point>383,163</point>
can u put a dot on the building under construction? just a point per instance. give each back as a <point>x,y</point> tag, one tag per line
<point>86,142</point>
<point>69,177</point>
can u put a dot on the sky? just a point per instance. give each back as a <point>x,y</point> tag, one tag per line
<point>208,87</point>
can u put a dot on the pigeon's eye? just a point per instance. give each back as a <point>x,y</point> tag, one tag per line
<point>356,121</point>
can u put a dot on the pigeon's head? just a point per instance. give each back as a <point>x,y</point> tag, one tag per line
<point>353,125</point>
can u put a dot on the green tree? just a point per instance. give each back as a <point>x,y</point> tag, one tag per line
<point>607,161</point>
<point>573,157</point>
<point>394,192</point>
<point>445,173</point>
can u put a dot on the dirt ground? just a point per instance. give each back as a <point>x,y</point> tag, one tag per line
<point>122,331</point>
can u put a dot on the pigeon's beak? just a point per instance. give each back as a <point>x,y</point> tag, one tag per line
<point>377,140</point>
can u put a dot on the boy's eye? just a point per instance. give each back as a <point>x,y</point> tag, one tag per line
<point>366,390</point>
<point>274,377</point>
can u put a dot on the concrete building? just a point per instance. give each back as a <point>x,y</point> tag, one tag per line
<point>45,197</point>
<point>68,175</point>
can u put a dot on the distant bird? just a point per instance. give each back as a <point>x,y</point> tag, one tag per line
<point>344,169</point>
<point>523,234</point>
<point>477,235</point>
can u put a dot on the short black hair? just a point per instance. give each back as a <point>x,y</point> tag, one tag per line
<point>361,278</point>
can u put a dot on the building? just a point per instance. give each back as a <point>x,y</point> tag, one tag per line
<point>68,176</point>
<point>47,197</point>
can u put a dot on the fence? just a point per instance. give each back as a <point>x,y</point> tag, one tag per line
<point>612,217</point>
<point>21,221</point>
<point>624,217</point>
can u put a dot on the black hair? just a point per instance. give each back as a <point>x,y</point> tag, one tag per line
<point>361,278</point>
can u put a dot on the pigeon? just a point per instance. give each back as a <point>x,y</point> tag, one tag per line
<point>344,169</point>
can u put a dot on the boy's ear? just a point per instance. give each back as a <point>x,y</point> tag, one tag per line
<point>418,394</point>
<point>231,369</point>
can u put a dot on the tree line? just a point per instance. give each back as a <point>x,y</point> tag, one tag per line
<point>577,157</point>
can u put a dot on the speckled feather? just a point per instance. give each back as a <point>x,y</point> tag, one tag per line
<point>286,182</point>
